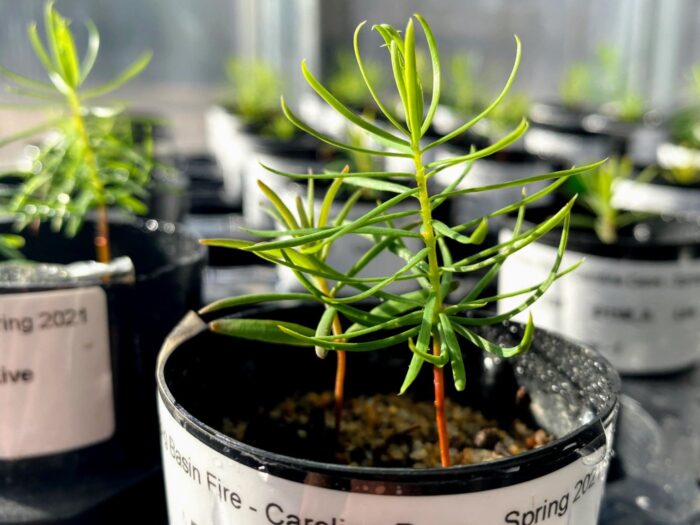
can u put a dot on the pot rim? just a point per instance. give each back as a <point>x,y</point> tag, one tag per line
<point>527,466</point>
<point>147,225</point>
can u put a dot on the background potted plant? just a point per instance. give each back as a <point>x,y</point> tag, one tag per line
<point>256,87</point>
<point>635,298</point>
<point>598,114</point>
<point>287,470</point>
<point>674,190</point>
<point>82,316</point>
<point>252,128</point>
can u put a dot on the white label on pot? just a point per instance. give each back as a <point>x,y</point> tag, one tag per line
<point>206,488</point>
<point>55,372</point>
<point>229,146</point>
<point>644,316</point>
<point>569,146</point>
<point>656,198</point>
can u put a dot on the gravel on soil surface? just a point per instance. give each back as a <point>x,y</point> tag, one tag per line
<point>392,431</point>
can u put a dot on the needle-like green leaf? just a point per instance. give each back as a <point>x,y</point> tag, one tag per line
<point>414,369</point>
<point>449,339</point>
<point>93,49</point>
<point>435,60</point>
<point>345,112</point>
<point>324,328</point>
<point>365,346</point>
<point>122,78</point>
<point>477,236</point>
<point>245,300</point>
<point>329,140</point>
<point>462,129</point>
<point>498,350</point>
<point>363,71</point>
<point>263,331</point>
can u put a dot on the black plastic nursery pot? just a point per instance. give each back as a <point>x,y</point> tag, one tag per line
<point>204,378</point>
<point>168,198</point>
<point>562,134</point>
<point>636,300</point>
<point>77,352</point>
<point>205,185</point>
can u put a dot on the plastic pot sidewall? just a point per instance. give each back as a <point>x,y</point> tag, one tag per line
<point>226,142</point>
<point>559,134</point>
<point>208,474</point>
<point>169,197</point>
<point>90,352</point>
<point>639,313</point>
<point>661,197</point>
<point>650,197</point>
<point>566,146</point>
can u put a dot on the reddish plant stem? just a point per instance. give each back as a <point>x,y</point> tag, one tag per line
<point>339,393</point>
<point>440,419</point>
<point>340,371</point>
<point>101,239</point>
<point>102,244</point>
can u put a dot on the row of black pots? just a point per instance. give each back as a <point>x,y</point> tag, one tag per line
<point>579,135</point>
<point>568,136</point>
<point>558,135</point>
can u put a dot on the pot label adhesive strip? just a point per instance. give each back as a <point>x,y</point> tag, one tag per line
<point>207,488</point>
<point>642,315</point>
<point>55,372</point>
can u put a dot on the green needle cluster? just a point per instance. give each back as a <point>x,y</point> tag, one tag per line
<point>86,159</point>
<point>375,317</point>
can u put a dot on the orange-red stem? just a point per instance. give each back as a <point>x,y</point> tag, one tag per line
<point>340,371</point>
<point>102,247</point>
<point>339,389</point>
<point>440,419</point>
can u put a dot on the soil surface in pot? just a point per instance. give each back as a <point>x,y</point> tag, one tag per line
<point>210,378</point>
<point>383,430</point>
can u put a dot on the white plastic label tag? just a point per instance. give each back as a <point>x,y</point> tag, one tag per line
<point>642,315</point>
<point>576,148</point>
<point>55,372</point>
<point>206,488</point>
<point>648,197</point>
